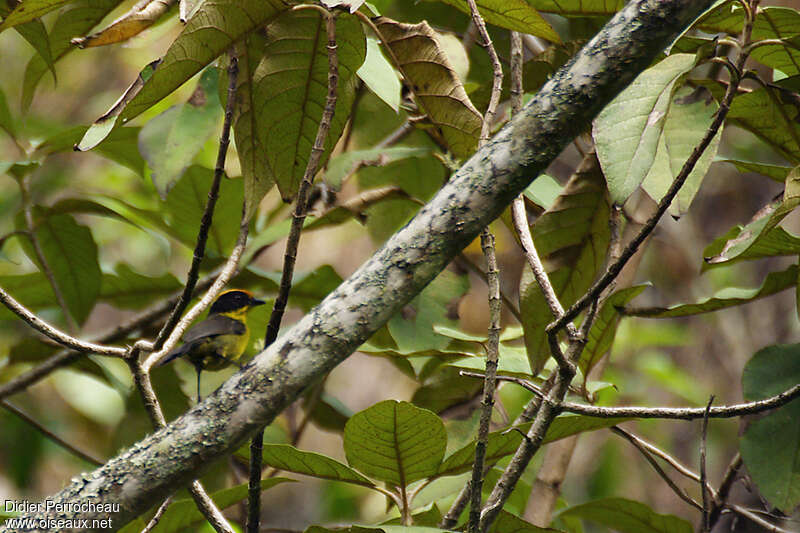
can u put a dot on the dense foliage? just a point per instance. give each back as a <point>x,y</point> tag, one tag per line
<point>99,221</point>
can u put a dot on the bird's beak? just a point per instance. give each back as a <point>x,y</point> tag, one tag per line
<point>255,301</point>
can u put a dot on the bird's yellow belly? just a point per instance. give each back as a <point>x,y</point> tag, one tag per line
<point>219,352</point>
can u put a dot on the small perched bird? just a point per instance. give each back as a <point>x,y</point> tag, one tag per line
<point>221,339</point>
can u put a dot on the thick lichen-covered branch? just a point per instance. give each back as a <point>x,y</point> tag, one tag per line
<point>145,474</point>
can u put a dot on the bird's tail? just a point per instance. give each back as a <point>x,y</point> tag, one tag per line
<point>175,353</point>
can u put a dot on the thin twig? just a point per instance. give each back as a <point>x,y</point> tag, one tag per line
<point>468,263</point>
<point>658,452</point>
<point>290,257</point>
<point>704,489</point>
<point>157,517</point>
<point>614,269</point>
<point>660,471</point>
<point>209,509</point>
<point>208,213</point>
<point>753,517</point>
<point>731,474</point>
<point>493,280</point>
<point>57,335</point>
<point>39,252</point>
<point>50,435</point>
<point>489,383</point>
<point>667,413</point>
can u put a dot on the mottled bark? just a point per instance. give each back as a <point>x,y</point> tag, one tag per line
<point>151,470</point>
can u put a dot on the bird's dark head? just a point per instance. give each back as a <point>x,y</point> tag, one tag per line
<point>234,300</point>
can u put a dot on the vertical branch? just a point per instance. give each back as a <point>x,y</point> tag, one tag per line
<point>493,280</point>
<point>30,224</point>
<point>208,213</point>
<point>290,257</point>
<point>706,527</point>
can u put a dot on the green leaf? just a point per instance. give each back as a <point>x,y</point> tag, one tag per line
<point>506,442</point>
<point>130,290</point>
<point>184,513</point>
<point>31,290</point>
<point>34,32</point>
<point>412,329</point>
<point>340,165</point>
<point>515,15</point>
<point>604,328</point>
<point>258,178</point>
<point>290,459</point>
<point>685,125</point>
<point>7,122</point>
<point>572,238</point>
<point>187,200</point>
<point>27,10</point>
<point>446,389</point>
<point>509,523</point>
<point>774,172</point>
<point>770,114</point>
<point>627,516</point>
<point>77,19</point>
<point>395,442</point>
<point>761,237</point>
<point>103,126</point>
<point>212,29</point>
<point>770,446</point>
<point>309,289</point>
<point>727,297</point>
<point>71,254</point>
<point>439,92</point>
<point>628,130</point>
<point>290,86</point>
<point>170,141</point>
<point>578,8</point>
<point>120,146</point>
<point>543,191</point>
<point>377,74</point>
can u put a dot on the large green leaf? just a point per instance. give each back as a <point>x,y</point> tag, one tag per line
<point>34,32</point>
<point>170,141</point>
<point>80,17</point>
<point>509,523</point>
<point>130,290</point>
<point>727,297</point>
<point>120,146</point>
<point>252,155</point>
<point>290,86</point>
<point>7,122</point>
<point>413,329</point>
<point>578,8</point>
<point>628,130</point>
<point>761,237</point>
<point>771,115</point>
<point>571,237</point>
<point>28,10</point>
<point>515,15</point>
<point>395,442</point>
<point>770,446</point>
<point>212,29</point>
<point>31,290</point>
<point>290,459</point>
<point>627,516</point>
<point>504,443</point>
<point>71,255</point>
<point>686,123</point>
<point>187,200</point>
<point>604,329</point>
<point>379,76</point>
<point>774,172</point>
<point>438,89</point>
